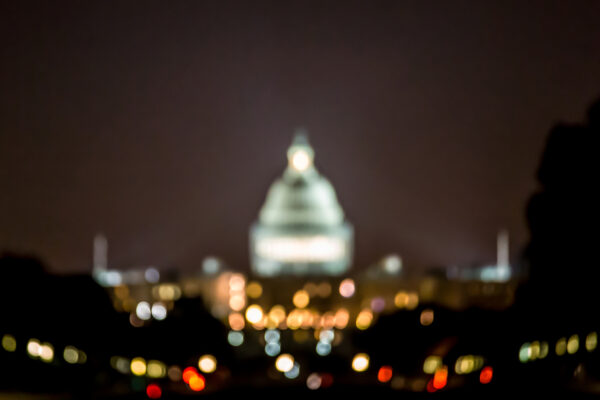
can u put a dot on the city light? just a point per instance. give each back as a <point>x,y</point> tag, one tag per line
<point>426,317</point>
<point>431,364</point>
<point>235,338</point>
<point>9,343</point>
<point>46,352</point>
<point>153,391</point>
<point>440,377</point>
<point>300,160</point>
<point>197,382</point>
<point>236,321</point>
<point>573,344</point>
<point>525,352</point>
<point>294,372</point>
<point>284,363</point>
<point>347,288</point>
<point>71,355</point>
<point>156,369</point>
<point>360,362</point>
<point>138,366</point>
<point>485,376</point>
<point>364,319</point>
<point>33,347</point>
<point>313,381</point>
<point>143,311</point>
<point>561,346</point>
<point>591,341</point>
<point>323,348</point>
<point>187,374</point>
<point>254,314</point>
<point>384,374</point>
<point>301,298</point>
<point>254,290</point>
<point>207,363</point>
<point>159,311</point>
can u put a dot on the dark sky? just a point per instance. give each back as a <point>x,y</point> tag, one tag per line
<point>162,124</point>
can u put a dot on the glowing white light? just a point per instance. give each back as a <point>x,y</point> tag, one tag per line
<point>112,278</point>
<point>46,352</point>
<point>143,311</point>
<point>326,336</point>
<point>294,372</point>
<point>207,363</point>
<point>323,348</point>
<point>392,264</point>
<point>33,347</point>
<point>284,363</point>
<point>272,349</point>
<point>347,287</point>
<point>235,338</point>
<point>360,362</point>
<point>159,311</point>
<point>152,275</point>
<point>210,265</point>
<point>272,336</point>
<point>254,314</point>
<point>301,249</point>
<point>300,160</point>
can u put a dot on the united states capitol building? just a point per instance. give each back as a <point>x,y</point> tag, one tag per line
<point>301,275</point>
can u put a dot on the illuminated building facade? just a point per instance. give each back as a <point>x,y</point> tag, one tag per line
<point>301,229</point>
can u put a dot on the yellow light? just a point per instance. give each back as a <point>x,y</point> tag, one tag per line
<point>254,314</point>
<point>300,161</point>
<point>543,349</point>
<point>413,301</point>
<point>277,314</point>
<point>207,363</point>
<point>33,347</point>
<point>401,299</point>
<point>301,299</point>
<point>47,352</point>
<point>561,346</point>
<point>237,302</point>
<point>364,319</point>
<point>156,369</point>
<point>573,344</point>
<point>360,362</point>
<point>138,366</point>
<point>426,318</point>
<point>284,363</point>
<point>465,364</point>
<point>534,350</point>
<point>431,364</point>
<point>71,355</point>
<point>591,341</point>
<point>236,321</point>
<point>254,290</point>
<point>294,319</point>
<point>9,343</point>
<point>347,288</point>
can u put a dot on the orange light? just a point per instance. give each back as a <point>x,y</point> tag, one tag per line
<point>486,375</point>
<point>188,373</point>
<point>153,391</point>
<point>384,374</point>
<point>440,378</point>
<point>197,383</point>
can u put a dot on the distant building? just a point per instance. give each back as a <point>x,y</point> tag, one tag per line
<point>301,229</point>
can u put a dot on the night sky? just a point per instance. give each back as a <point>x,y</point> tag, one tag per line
<point>162,124</point>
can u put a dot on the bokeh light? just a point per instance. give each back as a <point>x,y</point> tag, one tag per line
<point>384,374</point>
<point>254,290</point>
<point>254,314</point>
<point>153,391</point>
<point>360,362</point>
<point>9,343</point>
<point>426,317</point>
<point>235,338</point>
<point>207,363</point>
<point>197,382</point>
<point>284,363</point>
<point>347,288</point>
<point>431,364</point>
<point>573,344</point>
<point>313,381</point>
<point>138,366</point>
<point>486,374</point>
<point>301,298</point>
<point>71,355</point>
<point>591,341</point>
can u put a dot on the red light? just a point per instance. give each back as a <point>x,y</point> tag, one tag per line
<point>440,378</point>
<point>326,380</point>
<point>486,375</point>
<point>188,373</point>
<point>384,374</point>
<point>197,383</point>
<point>153,391</point>
<point>430,387</point>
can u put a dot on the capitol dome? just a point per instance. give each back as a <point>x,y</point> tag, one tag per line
<point>301,227</point>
